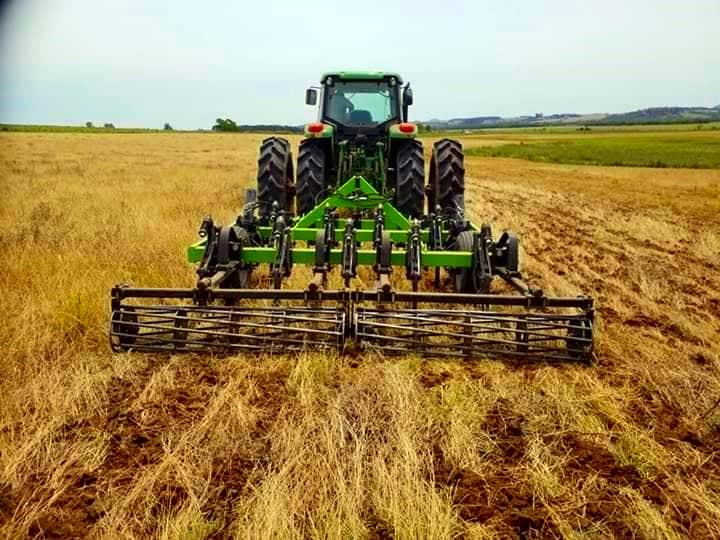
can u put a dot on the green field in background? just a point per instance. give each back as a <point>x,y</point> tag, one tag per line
<point>690,150</point>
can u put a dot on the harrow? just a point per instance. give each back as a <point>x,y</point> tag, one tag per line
<point>360,193</point>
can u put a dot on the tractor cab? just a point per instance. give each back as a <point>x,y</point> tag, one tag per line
<point>362,130</point>
<point>361,103</point>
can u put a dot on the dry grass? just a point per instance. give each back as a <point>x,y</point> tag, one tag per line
<point>132,446</point>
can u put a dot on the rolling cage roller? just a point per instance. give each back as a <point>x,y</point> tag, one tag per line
<point>548,328</point>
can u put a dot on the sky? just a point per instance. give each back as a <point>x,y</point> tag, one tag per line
<point>141,63</point>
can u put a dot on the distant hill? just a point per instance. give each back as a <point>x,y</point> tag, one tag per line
<point>653,115</point>
<point>475,121</point>
<point>665,115</point>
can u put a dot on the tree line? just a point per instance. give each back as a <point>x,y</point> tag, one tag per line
<point>110,125</point>
<point>229,125</point>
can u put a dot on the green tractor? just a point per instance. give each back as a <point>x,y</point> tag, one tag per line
<point>363,131</point>
<point>358,198</point>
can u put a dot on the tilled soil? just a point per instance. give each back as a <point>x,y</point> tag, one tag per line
<point>141,432</point>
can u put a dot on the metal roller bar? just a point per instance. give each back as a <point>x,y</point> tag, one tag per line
<point>368,295</point>
<point>471,334</point>
<point>199,328</point>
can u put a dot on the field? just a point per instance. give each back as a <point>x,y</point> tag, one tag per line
<point>136,446</point>
<point>695,149</point>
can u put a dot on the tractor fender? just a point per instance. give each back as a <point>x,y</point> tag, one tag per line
<point>327,132</point>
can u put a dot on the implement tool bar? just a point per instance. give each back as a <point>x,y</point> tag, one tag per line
<point>582,302</point>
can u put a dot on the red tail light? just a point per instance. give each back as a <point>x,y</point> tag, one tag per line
<point>406,127</point>
<point>316,127</point>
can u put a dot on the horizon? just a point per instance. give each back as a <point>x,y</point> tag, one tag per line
<point>99,124</point>
<point>142,65</point>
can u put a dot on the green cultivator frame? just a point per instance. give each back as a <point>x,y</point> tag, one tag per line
<point>379,318</point>
<point>383,271</point>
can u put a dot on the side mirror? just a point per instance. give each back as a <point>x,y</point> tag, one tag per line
<point>310,96</point>
<point>407,95</point>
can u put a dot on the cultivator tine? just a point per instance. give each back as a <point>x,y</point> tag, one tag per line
<point>439,332</point>
<point>222,329</point>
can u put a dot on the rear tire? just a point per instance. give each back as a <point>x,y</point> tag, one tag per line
<point>409,179</point>
<point>466,280</point>
<point>240,278</point>
<point>463,279</point>
<point>510,245</point>
<point>275,176</point>
<point>311,171</point>
<point>446,185</point>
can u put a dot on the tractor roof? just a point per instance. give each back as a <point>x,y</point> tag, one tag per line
<point>360,75</point>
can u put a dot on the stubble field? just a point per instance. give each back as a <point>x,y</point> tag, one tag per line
<point>133,446</point>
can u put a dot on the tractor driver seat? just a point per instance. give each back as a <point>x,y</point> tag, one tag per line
<point>361,117</point>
